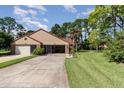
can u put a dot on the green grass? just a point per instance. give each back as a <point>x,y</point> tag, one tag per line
<point>92,69</point>
<point>5,52</point>
<point>15,61</point>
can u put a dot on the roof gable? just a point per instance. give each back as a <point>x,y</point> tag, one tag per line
<point>26,40</point>
<point>47,38</point>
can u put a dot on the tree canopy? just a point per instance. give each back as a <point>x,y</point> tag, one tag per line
<point>7,24</point>
<point>103,27</point>
<point>5,40</point>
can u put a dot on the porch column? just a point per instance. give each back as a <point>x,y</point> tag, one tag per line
<point>66,49</point>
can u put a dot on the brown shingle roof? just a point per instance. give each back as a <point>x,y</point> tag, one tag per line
<point>69,40</point>
<point>45,38</point>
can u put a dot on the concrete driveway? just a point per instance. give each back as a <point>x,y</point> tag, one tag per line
<point>43,71</point>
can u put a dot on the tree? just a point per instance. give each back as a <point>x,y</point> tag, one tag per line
<point>20,34</point>
<point>85,45</point>
<point>78,25</point>
<point>77,30</point>
<point>66,28</point>
<point>100,28</point>
<point>117,15</point>
<point>56,30</point>
<point>5,40</point>
<point>104,22</point>
<point>108,19</point>
<point>30,31</point>
<point>86,27</point>
<point>93,39</point>
<point>74,29</point>
<point>7,24</point>
<point>19,27</point>
<point>109,23</point>
<point>117,44</point>
<point>2,25</point>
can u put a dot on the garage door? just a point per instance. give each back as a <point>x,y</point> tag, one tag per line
<point>22,50</point>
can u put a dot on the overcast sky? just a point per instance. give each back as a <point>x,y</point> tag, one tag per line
<point>35,17</point>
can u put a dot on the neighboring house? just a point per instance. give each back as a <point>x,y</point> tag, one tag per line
<point>41,38</point>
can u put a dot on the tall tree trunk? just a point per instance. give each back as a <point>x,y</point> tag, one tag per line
<point>85,35</point>
<point>8,30</point>
<point>81,38</point>
<point>114,19</point>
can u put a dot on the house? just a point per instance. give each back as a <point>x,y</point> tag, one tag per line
<point>40,38</point>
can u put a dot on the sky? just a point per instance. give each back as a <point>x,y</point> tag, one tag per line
<point>33,17</point>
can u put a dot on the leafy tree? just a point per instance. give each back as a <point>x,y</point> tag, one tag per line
<point>30,31</point>
<point>109,23</point>
<point>77,27</point>
<point>97,19</point>
<point>85,44</point>
<point>19,27</point>
<point>108,19</point>
<point>66,28</point>
<point>5,40</point>
<point>101,27</point>
<point>117,48</point>
<point>7,24</point>
<point>75,35</point>
<point>93,39</point>
<point>2,24</point>
<point>117,44</point>
<point>86,28</point>
<point>56,30</point>
<point>20,34</point>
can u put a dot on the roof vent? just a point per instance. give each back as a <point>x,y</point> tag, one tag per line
<point>25,38</point>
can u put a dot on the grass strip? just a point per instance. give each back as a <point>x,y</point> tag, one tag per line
<point>15,61</point>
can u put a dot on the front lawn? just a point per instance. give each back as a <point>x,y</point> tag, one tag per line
<point>4,52</point>
<point>92,69</point>
<point>15,61</point>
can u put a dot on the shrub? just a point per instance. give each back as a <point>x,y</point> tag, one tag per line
<point>72,50</point>
<point>117,57</point>
<point>2,53</point>
<point>107,53</point>
<point>38,51</point>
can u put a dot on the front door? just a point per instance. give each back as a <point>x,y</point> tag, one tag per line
<point>32,48</point>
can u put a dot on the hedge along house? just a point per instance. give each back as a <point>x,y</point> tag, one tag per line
<point>41,38</point>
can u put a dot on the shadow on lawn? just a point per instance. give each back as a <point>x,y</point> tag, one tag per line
<point>98,51</point>
<point>84,50</point>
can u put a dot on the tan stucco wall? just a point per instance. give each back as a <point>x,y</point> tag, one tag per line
<point>47,39</point>
<point>29,41</point>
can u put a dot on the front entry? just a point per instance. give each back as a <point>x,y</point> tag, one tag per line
<point>32,48</point>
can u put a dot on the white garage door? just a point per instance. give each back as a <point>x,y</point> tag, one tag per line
<point>22,50</point>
